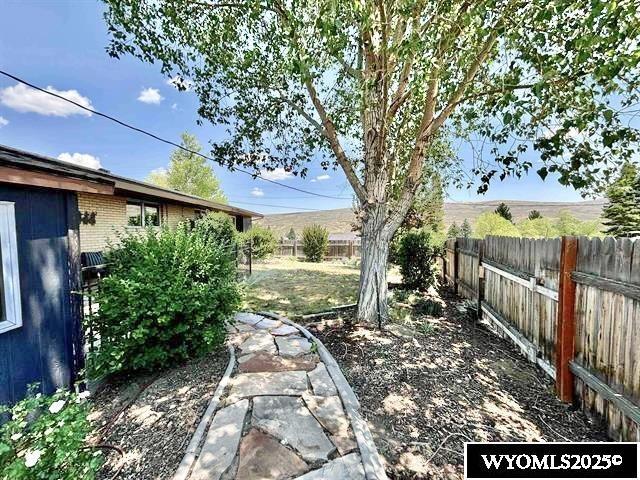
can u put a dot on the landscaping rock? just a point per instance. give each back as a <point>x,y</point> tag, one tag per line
<point>263,457</point>
<point>267,383</point>
<point>347,467</point>
<point>328,411</point>
<point>321,381</point>
<point>221,444</point>
<point>243,327</point>
<point>258,342</point>
<point>344,443</point>
<point>287,419</point>
<point>267,323</point>
<point>284,330</point>
<point>248,318</point>
<point>265,362</point>
<point>293,346</point>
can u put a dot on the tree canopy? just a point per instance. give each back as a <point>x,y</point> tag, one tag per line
<point>189,173</point>
<point>504,211</point>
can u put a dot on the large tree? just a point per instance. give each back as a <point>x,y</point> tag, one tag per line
<point>371,85</point>
<point>189,173</point>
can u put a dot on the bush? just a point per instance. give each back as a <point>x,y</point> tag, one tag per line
<point>262,241</point>
<point>315,242</point>
<point>166,299</point>
<point>218,228</point>
<point>44,438</point>
<point>416,258</point>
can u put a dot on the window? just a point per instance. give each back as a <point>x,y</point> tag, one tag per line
<point>10,306</point>
<point>136,218</point>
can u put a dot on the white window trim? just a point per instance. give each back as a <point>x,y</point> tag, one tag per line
<point>10,272</point>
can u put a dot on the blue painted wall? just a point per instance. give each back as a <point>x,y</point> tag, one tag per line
<point>42,350</point>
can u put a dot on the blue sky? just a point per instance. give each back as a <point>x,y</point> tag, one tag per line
<point>61,44</point>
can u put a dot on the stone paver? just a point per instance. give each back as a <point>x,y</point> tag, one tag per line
<point>265,362</point>
<point>248,318</point>
<point>284,330</point>
<point>293,346</point>
<point>282,416</point>
<point>262,457</point>
<point>258,342</point>
<point>267,383</point>
<point>267,323</point>
<point>347,467</point>
<point>221,444</point>
<point>287,419</point>
<point>321,382</point>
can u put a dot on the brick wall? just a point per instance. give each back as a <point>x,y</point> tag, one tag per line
<point>111,217</point>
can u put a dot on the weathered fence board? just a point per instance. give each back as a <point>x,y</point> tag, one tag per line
<point>519,293</point>
<point>337,249</point>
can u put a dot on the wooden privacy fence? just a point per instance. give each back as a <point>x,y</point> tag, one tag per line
<point>337,249</point>
<point>572,305</point>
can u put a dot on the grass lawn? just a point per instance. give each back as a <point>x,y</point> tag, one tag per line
<point>295,287</point>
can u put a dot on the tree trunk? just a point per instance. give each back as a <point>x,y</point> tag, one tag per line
<point>372,301</point>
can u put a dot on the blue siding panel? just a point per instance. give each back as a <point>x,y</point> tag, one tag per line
<point>41,350</point>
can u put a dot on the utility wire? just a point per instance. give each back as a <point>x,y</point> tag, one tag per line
<point>161,139</point>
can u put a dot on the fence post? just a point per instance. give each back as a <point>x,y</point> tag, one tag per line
<point>480,277</point>
<point>350,247</point>
<point>565,333</point>
<point>295,248</point>
<point>455,266</point>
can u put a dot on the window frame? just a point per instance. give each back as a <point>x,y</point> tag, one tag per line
<point>142,204</point>
<point>12,300</point>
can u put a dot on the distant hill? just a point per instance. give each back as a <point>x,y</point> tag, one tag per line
<point>340,220</point>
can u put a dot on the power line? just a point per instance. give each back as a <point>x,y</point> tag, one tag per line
<point>161,139</point>
<point>278,206</point>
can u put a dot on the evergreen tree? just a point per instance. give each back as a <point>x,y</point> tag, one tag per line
<point>454,231</point>
<point>465,229</point>
<point>292,234</point>
<point>504,211</point>
<point>427,209</point>
<point>534,214</point>
<point>622,213</point>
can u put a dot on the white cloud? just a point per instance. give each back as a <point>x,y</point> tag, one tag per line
<point>3,122</point>
<point>257,192</point>
<point>320,178</point>
<point>150,95</point>
<point>174,106</point>
<point>82,159</point>
<point>26,99</point>
<point>277,174</point>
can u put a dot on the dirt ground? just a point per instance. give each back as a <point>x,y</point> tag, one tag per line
<point>154,430</point>
<point>429,383</point>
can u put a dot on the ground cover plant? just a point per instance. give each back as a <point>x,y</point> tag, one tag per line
<point>45,436</point>
<point>166,299</point>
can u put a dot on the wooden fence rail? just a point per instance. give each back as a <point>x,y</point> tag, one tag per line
<point>573,307</point>
<point>338,249</point>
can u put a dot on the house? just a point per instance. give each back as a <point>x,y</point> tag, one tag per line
<point>51,212</point>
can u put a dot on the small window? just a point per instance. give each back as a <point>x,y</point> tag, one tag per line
<point>142,214</point>
<point>10,306</point>
<point>134,216</point>
<point>151,215</point>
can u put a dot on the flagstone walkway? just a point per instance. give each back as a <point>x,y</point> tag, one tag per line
<point>286,413</point>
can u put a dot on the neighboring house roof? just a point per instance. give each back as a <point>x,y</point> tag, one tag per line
<point>51,172</point>
<point>347,236</point>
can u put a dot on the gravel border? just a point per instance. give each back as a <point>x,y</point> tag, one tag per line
<point>195,444</point>
<point>371,459</point>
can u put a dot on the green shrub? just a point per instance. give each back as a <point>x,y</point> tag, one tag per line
<point>416,258</point>
<point>166,299</point>
<point>262,241</point>
<point>218,228</point>
<point>315,242</point>
<point>44,438</point>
